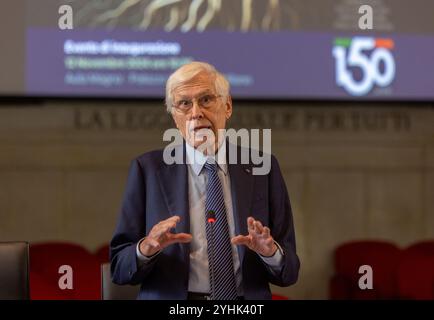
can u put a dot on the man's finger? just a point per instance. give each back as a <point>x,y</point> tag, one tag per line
<point>167,225</point>
<point>266,232</point>
<point>241,240</point>
<point>170,222</point>
<point>180,238</point>
<point>254,230</point>
<point>171,219</point>
<point>175,219</point>
<point>159,230</point>
<point>250,223</point>
<point>258,227</point>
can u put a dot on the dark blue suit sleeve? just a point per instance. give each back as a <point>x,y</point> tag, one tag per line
<point>282,227</point>
<point>129,230</point>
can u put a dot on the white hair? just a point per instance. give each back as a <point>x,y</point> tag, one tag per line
<point>190,70</point>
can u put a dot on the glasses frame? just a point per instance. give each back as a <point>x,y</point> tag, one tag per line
<point>197,99</point>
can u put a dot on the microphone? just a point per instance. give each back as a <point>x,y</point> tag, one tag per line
<point>211,219</point>
<point>210,216</point>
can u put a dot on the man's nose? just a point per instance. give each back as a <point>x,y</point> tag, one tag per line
<point>196,110</point>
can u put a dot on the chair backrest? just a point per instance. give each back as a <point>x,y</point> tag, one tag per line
<point>102,254</point>
<point>14,271</point>
<point>416,272</point>
<point>275,296</point>
<point>382,256</point>
<point>112,291</point>
<point>45,261</point>
<point>425,247</point>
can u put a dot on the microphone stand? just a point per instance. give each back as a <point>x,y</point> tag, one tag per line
<point>211,220</point>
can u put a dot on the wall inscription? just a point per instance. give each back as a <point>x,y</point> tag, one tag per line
<point>303,120</point>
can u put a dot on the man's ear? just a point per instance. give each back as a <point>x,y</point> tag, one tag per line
<point>228,110</point>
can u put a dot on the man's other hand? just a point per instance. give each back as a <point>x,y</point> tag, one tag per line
<point>259,238</point>
<point>160,237</point>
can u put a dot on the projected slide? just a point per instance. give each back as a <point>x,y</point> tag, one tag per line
<point>268,49</point>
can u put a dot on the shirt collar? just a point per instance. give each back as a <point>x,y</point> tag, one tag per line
<point>196,159</point>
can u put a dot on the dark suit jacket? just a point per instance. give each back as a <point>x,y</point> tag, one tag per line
<point>156,191</point>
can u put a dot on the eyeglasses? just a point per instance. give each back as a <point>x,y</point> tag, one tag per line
<point>206,101</point>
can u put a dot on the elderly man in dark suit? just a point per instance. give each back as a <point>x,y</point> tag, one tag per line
<point>205,228</point>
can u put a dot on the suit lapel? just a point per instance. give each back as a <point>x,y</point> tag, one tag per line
<point>174,186</point>
<point>241,191</point>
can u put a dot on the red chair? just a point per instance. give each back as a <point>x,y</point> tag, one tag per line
<point>383,258</point>
<point>416,272</point>
<point>424,247</point>
<point>102,254</point>
<point>42,288</point>
<point>45,261</point>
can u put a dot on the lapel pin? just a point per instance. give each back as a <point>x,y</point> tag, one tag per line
<point>247,170</point>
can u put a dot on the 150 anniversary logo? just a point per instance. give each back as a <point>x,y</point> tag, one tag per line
<point>371,56</point>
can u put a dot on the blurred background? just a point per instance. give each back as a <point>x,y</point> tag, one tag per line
<point>351,113</point>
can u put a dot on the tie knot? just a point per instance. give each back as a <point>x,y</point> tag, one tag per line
<point>211,166</point>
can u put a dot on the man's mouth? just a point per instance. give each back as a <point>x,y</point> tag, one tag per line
<point>195,129</point>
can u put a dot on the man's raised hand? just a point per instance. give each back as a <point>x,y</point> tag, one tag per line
<point>160,237</point>
<point>259,238</point>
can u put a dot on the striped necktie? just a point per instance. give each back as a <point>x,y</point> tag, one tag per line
<point>221,266</point>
